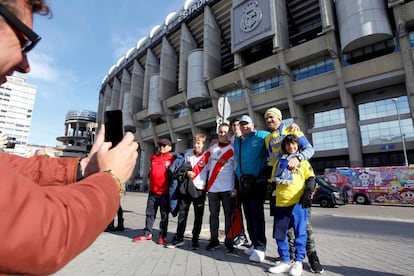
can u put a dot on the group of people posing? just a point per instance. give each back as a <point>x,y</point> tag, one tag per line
<point>235,172</point>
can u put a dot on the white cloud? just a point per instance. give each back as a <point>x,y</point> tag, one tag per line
<point>48,76</point>
<point>43,68</point>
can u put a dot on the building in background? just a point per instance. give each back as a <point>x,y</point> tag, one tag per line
<point>80,127</point>
<point>342,70</point>
<point>16,108</point>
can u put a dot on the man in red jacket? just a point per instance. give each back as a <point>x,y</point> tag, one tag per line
<point>158,192</point>
<point>48,217</point>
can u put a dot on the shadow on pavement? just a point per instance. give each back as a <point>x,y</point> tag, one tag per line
<point>347,270</point>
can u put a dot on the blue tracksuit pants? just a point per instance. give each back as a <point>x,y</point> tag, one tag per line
<point>285,217</point>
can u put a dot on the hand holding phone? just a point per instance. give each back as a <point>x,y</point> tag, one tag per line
<point>113,127</point>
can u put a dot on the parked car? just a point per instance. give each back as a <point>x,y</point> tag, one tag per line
<point>328,195</point>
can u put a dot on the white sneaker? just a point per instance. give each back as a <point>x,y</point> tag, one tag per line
<point>280,267</point>
<point>257,256</point>
<point>297,269</point>
<point>249,251</point>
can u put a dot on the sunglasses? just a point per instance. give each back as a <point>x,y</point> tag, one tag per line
<point>27,37</point>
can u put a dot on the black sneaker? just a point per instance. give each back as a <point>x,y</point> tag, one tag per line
<point>119,227</point>
<point>212,245</point>
<point>229,245</point>
<point>195,245</point>
<point>110,227</point>
<point>175,243</point>
<point>316,267</point>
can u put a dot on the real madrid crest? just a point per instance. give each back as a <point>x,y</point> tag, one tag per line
<point>251,17</point>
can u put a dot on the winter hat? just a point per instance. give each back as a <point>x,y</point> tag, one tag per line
<point>275,112</point>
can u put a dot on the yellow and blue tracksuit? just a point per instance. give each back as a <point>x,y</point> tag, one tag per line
<point>290,213</point>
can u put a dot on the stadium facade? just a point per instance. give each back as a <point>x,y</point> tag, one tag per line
<point>342,70</point>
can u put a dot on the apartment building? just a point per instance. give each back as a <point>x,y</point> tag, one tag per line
<point>16,108</point>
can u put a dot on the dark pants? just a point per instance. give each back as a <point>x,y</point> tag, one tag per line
<point>154,201</point>
<point>253,207</point>
<point>240,206</point>
<point>214,200</point>
<point>120,216</point>
<point>120,225</point>
<point>184,203</point>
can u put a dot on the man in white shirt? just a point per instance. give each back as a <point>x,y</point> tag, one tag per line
<point>220,186</point>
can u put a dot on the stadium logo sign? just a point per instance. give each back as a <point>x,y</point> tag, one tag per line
<point>251,17</point>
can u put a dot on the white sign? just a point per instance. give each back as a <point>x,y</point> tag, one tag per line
<point>223,106</point>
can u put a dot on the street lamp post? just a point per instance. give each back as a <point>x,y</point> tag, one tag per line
<point>395,100</point>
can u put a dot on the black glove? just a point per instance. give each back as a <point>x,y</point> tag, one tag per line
<point>306,199</point>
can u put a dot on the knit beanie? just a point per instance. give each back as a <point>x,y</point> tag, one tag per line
<point>275,112</point>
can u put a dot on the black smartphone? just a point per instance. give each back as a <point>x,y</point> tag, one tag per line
<point>113,126</point>
<point>11,142</point>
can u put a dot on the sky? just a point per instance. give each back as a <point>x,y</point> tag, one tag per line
<point>80,43</point>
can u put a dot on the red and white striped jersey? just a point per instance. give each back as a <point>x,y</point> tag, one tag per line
<point>222,165</point>
<point>199,165</point>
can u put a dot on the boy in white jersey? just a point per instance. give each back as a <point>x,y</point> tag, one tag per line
<point>192,190</point>
<point>220,185</point>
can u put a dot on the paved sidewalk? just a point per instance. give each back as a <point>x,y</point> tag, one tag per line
<point>341,253</point>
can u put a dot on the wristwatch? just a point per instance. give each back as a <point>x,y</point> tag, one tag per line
<point>299,157</point>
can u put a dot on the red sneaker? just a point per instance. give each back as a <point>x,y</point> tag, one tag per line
<point>143,238</point>
<point>162,240</point>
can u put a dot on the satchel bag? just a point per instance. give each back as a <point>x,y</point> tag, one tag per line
<point>247,183</point>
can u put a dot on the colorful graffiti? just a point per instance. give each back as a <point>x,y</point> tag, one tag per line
<point>387,185</point>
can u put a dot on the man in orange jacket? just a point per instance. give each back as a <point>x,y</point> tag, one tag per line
<point>48,217</point>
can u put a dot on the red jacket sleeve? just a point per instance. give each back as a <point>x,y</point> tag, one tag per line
<point>44,227</point>
<point>42,170</point>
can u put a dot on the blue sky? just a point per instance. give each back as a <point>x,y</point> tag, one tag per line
<point>79,44</point>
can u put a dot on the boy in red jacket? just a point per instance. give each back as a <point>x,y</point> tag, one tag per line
<point>158,192</point>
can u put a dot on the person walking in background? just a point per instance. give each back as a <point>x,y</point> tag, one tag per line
<point>158,196</point>
<point>292,203</point>
<point>192,190</point>
<point>52,209</point>
<point>273,118</point>
<point>120,218</point>
<point>221,186</point>
<point>251,156</point>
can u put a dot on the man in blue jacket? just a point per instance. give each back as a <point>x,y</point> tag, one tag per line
<point>251,159</point>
